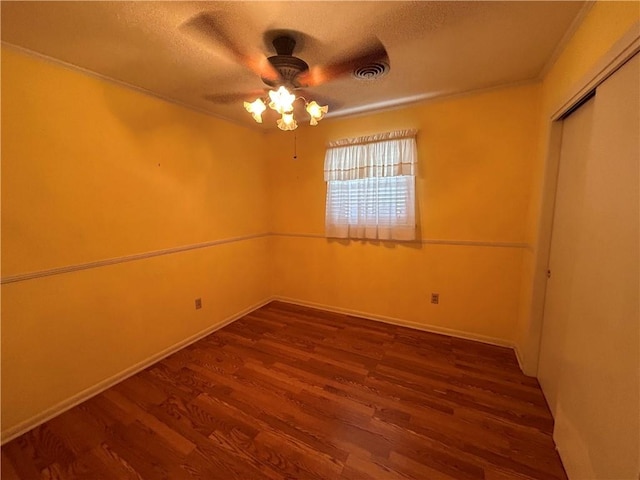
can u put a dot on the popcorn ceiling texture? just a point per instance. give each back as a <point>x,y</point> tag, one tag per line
<point>435,48</point>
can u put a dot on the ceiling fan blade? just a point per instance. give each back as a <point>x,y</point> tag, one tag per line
<point>213,26</point>
<point>318,75</point>
<point>321,99</point>
<point>235,97</point>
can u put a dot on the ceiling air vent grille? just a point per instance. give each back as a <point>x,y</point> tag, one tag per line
<point>371,71</point>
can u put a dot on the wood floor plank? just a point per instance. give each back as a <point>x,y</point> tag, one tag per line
<point>363,468</point>
<point>7,469</point>
<point>289,392</point>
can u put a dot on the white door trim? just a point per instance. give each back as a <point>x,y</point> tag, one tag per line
<point>621,51</point>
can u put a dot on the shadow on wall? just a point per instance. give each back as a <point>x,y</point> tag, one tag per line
<point>142,114</point>
<point>167,136</point>
<point>390,244</point>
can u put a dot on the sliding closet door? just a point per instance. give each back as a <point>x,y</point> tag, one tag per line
<point>568,227</point>
<point>589,359</point>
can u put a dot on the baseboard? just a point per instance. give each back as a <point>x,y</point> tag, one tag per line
<point>401,322</point>
<point>520,360</point>
<point>23,427</point>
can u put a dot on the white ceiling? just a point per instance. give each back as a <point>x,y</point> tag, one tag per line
<point>434,48</point>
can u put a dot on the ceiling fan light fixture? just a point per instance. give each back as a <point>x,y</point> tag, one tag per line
<point>281,100</point>
<point>256,108</point>
<point>316,112</point>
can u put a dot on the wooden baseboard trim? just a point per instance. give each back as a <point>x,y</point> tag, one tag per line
<point>520,360</point>
<point>61,407</point>
<point>401,322</point>
<point>23,427</point>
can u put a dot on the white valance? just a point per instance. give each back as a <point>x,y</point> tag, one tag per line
<point>389,154</point>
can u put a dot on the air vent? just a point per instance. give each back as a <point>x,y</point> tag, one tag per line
<point>371,71</point>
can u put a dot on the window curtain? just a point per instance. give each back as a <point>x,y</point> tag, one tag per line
<point>383,155</point>
<point>371,187</point>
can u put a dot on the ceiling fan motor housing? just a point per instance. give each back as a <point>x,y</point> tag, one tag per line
<point>285,63</point>
<point>289,68</point>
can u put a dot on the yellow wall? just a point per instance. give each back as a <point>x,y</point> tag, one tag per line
<point>605,23</point>
<point>475,155</point>
<point>94,171</point>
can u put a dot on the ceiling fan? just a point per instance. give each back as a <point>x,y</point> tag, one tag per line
<point>283,73</point>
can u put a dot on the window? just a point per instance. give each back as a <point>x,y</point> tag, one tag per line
<point>371,187</point>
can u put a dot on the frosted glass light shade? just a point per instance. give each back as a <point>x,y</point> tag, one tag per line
<point>255,108</point>
<point>287,122</point>
<point>316,112</point>
<point>281,100</point>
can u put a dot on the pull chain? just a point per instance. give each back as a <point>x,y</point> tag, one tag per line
<point>295,146</point>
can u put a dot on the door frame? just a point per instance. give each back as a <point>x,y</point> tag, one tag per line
<point>625,48</point>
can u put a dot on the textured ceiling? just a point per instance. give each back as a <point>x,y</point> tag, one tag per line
<point>434,48</point>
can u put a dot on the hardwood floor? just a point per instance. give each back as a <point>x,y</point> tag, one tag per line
<point>289,392</point>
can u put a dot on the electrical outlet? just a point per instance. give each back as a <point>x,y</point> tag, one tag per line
<point>435,298</point>
<point>198,303</point>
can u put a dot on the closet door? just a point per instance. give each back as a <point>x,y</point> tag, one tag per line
<point>589,359</point>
